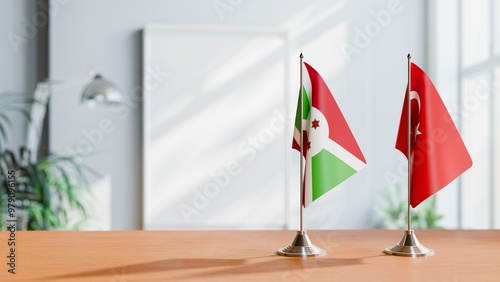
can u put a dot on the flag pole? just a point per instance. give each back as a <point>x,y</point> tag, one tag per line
<point>408,104</point>
<point>301,204</point>
<point>409,246</point>
<point>301,245</point>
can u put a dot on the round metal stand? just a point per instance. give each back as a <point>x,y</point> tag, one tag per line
<point>409,247</point>
<point>301,247</point>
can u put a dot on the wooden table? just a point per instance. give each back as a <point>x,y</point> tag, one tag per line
<point>247,256</point>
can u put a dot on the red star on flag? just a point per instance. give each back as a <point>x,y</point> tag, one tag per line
<point>315,123</point>
<point>306,142</point>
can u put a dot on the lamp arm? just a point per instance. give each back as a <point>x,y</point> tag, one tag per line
<point>38,110</point>
<point>42,94</point>
<point>57,84</point>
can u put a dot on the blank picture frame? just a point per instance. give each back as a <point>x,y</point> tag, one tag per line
<point>216,127</point>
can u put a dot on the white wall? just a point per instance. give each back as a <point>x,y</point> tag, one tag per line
<point>17,57</point>
<point>443,59</point>
<point>467,88</point>
<point>368,85</point>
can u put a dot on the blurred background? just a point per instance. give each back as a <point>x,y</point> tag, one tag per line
<point>202,136</point>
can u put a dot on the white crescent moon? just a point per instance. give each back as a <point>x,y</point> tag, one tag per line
<point>414,95</point>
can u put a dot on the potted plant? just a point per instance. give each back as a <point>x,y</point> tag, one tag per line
<point>392,214</point>
<point>50,193</point>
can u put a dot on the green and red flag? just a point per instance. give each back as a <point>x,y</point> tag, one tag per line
<point>330,150</point>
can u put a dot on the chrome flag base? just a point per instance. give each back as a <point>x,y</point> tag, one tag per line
<point>301,247</point>
<point>409,247</point>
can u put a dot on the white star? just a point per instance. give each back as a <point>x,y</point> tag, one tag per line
<point>417,132</point>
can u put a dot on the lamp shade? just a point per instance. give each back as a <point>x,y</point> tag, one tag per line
<point>101,90</point>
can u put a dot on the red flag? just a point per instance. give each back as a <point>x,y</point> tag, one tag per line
<point>438,154</point>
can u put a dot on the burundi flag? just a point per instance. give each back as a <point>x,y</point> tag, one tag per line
<point>330,150</point>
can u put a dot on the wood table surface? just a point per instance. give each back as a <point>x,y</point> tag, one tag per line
<point>353,255</point>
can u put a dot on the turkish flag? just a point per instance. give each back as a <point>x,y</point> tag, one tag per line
<point>438,154</point>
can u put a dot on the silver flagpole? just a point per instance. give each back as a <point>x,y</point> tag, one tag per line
<point>301,111</point>
<point>408,104</point>
<point>409,246</point>
<point>301,245</point>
